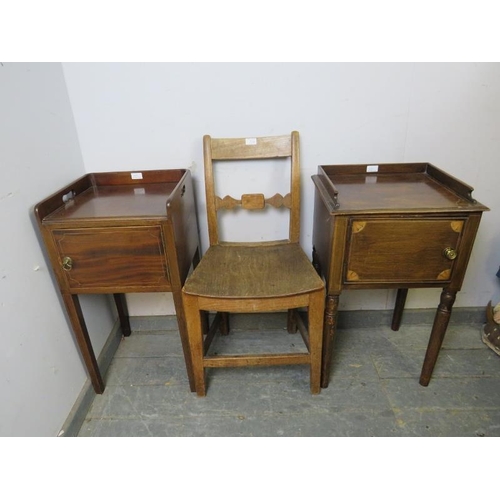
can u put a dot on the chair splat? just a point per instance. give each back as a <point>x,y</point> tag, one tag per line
<point>254,201</point>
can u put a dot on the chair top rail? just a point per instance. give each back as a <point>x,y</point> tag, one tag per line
<point>251,148</point>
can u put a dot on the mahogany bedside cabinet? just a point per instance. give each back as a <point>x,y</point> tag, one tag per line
<point>117,233</point>
<point>392,226</point>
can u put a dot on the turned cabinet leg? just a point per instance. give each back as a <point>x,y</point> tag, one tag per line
<point>439,327</point>
<point>329,329</point>
<point>398,308</point>
<point>77,320</point>
<point>121,306</point>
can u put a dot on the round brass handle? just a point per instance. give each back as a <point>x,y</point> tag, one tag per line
<point>67,264</point>
<point>450,253</point>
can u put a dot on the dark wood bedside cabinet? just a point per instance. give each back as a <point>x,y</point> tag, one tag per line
<point>121,232</point>
<point>392,226</point>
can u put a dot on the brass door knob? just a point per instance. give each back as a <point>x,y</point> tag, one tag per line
<point>67,264</point>
<point>450,253</point>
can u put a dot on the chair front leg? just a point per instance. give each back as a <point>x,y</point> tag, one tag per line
<point>195,337</point>
<point>316,312</point>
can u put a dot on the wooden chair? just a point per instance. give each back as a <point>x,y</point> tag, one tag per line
<point>253,277</point>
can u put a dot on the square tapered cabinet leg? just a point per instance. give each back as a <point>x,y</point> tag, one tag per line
<point>74,311</point>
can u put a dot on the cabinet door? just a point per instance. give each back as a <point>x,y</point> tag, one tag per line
<point>403,250</point>
<point>112,257</point>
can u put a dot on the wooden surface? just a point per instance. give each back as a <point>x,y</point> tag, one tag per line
<point>111,258</point>
<point>392,250</point>
<point>410,187</point>
<point>120,232</point>
<point>253,277</point>
<point>268,271</point>
<point>144,200</point>
<point>247,148</point>
<point>392,226</point>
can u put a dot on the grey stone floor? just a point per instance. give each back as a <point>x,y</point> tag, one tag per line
<point>374,389</point>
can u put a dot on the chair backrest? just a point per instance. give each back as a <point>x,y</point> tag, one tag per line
<point>254,148</point>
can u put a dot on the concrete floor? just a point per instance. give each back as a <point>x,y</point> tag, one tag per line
<point>374,389</point>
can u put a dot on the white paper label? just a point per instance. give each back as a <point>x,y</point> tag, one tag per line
<point>252,141</point>
<point>372,168</point>
<point>136,175</point>
<point>139,191</point>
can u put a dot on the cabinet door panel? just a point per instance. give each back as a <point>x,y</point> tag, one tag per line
<point>112,257</point>
<point>402,250</point>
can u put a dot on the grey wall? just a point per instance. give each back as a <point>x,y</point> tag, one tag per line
<point>132,116</point>
<point>41,373</point>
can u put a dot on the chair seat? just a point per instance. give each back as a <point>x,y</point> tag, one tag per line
<point>253,271</point>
